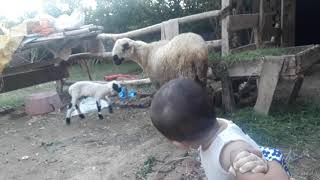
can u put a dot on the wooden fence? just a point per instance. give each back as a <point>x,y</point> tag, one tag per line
<point>230,22</point>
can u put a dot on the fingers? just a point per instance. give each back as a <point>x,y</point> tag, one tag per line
<point>241,155</point>
<point>250,161</point>
<point>255,151</point>
<point>241,162</point>
<point>260,169</point>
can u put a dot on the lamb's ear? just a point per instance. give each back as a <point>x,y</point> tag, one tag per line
<point>116,87</point>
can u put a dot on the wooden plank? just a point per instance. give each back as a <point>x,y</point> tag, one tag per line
<point>243,21</point>
<point>289,67</point>
<point>246,68</point>
<point>169,29</point>
<point>288,22</point>
<point>30,78</point>
<point>30,67</point>
<point>308,57</point>
<point>267,84</point>
<point>296,89</point>
<point>214,43</point>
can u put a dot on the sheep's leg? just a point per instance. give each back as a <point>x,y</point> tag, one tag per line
<point>69,111</point>
<point>75,102</point>
<point>99,109</point>
<point>79,112</point>
<point>109,105</point>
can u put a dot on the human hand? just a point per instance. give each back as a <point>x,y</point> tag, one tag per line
<point>249,161</point>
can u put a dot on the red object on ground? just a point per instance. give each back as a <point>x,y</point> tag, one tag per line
<point>120,76</point>
<point>42,103</point>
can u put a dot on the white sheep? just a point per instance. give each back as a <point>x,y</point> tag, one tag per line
<point>186,55</point>
<point>91,89</point>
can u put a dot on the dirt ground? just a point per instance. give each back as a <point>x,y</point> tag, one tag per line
<point>44,147</point>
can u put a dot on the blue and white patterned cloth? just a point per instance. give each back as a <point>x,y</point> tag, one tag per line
<point>272,154</point>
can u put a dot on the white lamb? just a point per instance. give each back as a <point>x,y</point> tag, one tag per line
<point>186,55</point>
<point>91,89</point>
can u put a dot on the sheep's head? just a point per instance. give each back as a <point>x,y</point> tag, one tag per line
<point>123,49</point>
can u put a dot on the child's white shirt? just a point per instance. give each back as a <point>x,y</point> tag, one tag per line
<point>210,158</point>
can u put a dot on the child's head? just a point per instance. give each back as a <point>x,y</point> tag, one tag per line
<point>181,112</point>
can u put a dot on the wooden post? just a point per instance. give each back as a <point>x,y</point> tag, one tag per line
<point>87,69</point>
<point>225,45</point>
<point>227,90</point>
<point>227,94</point>
<point>288,22</point>
<point>59,86</point>
<point>268,82</point>
<point>169,29</point>
<point>258,29</point>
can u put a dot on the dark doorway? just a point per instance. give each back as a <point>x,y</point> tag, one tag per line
<point>307,22</point>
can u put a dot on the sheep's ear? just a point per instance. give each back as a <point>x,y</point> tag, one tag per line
<point>126,46</point>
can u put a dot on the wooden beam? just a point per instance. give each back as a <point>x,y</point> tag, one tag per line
<point>157,27</point>
<point>295,90</point>
<point>200,16</point>
<point>225,44</point>
<point>267,84</point>
<point>288,22</point>
<point>214,43</point>
<point>105,55</point>
<point>243,21</point>
<point>243,48</point>
<point>30,78</point>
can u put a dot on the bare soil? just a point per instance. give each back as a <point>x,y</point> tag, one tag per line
<point>116,148</point>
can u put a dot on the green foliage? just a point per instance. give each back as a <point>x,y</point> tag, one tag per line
<point>146,168</point>
<point>250,55</point>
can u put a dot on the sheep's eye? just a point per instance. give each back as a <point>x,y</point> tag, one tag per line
<point>125,46</point>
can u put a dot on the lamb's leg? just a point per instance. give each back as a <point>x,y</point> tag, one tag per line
<point>99,108</point>
<point>109,105</point>
<point>69,111</point>
<point>78,109</point>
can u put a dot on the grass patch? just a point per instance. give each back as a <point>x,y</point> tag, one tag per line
<point>16,98</point>
<point>252,55</point>
<point>291,126</point>
<point>146,168</point>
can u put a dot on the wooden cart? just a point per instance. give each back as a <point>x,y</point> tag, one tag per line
<point>270,69</point>
<point>29,73</point>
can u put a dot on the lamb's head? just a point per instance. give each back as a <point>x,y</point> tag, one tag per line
<point>123,49</point>
<point>116,86</point>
